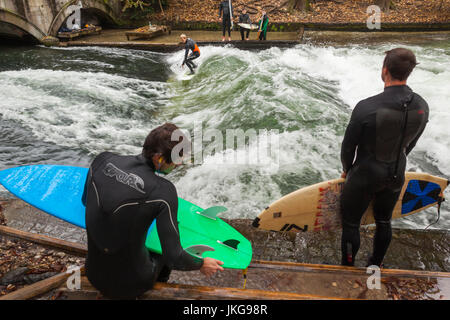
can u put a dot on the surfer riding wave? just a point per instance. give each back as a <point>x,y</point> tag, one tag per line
<point>190,45</point>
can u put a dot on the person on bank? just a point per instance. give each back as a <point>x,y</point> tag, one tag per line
<point>190,45</point>
<point>123,196</point>
<point>383,129</point>
<point>263,23</point>
<point>226,12</point>
<point>244,18</point>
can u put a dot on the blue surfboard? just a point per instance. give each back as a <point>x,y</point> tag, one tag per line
<point>57,190</point>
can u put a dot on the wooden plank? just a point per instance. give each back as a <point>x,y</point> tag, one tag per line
<point>37,288</point>
<point>144,35</point>
<point>40,287</point>
<point>81,250</point>
<point>70,247</point>
<point>68,35</point>
<point>183,291</point>
<point>204,292</point>
<point>79,33</point>
<point>307,267</point>
<point>158,31</point>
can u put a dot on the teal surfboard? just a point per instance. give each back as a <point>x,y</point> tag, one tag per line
<point>57,190</point>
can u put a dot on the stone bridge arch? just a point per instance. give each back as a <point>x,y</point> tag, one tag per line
<point>15,26</point>
<point>97,7</point>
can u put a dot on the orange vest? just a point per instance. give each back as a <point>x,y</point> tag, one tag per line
<point>196,49</point>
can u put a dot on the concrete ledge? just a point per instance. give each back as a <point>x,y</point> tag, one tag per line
<point>168,47</point>
<point>295,26</point>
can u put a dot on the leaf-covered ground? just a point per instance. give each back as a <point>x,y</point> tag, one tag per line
<point>23,263</point>
<point>323,11</point>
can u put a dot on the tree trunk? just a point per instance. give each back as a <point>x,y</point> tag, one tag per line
<point>384,5</point>
<point>302,5</point>
<point>160,6</point>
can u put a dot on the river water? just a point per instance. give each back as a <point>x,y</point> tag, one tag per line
<point>65,105</point>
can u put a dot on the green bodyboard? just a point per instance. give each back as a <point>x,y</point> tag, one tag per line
<point>57,190</point>
<point>197,229</point>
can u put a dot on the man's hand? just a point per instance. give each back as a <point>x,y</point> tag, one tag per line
<point>211,266</point>
<point>344,175</point>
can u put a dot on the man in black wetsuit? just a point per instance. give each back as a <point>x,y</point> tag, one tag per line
<point>244,18</point>
<point>190,45</point>
<point>123,196</point>
<point>226,14</point>
<point>383,130</point>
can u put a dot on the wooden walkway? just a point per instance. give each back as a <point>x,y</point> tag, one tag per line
<point>172,47</point>
<point>169,291</point>
<point>298,279</point>
<point>170,42</point>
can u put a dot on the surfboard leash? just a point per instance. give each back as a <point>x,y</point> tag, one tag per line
<point>441,199</point>
<point>244,274</point>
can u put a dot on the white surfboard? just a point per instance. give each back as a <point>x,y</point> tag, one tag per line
<point>248,26</point>
<point>231,13</point>
<point>317,207</point>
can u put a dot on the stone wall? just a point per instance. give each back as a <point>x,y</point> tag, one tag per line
<point>39,18</point>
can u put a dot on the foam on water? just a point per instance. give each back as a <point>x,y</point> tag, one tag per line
<point>310,91</point>
<point>304,94</point>
<point>94,111</point>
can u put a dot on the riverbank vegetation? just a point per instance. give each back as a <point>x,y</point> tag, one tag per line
<point>306,11</point>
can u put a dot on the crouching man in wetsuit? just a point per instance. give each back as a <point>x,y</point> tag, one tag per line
<point>383,130</point>
<point>123,196</point>
<point>244,18</point>
<point>190,45</point>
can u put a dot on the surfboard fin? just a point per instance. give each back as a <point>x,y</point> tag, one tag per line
<point>198,249</point>
<point>232,243</point>
<point>212,212</point>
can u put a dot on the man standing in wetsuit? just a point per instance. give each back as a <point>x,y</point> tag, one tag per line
<point>383,130</point>
<point>226,13</point>
<point>190,45</point>
<point>123,197</point>
<point>244,18</point>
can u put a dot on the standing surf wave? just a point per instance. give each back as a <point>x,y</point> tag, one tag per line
<point>108,99</point>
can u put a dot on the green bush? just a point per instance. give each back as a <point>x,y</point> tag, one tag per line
<point>144,5</point>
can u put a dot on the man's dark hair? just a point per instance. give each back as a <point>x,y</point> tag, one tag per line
<point>400,62</point>
<point>159,140</point>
